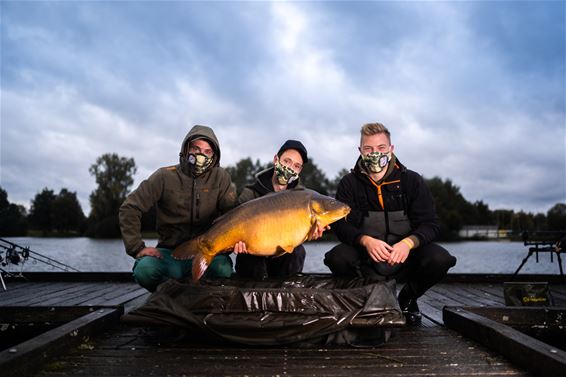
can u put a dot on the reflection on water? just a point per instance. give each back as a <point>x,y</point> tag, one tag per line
<point>88,254</point>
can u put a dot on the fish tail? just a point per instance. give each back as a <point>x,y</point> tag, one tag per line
<point>200,264</point>
<point>187,250</point>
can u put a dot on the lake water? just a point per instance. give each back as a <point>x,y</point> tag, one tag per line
<point>86,254</point>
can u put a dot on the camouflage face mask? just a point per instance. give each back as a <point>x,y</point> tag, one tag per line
<point>376,161</point>
<point>284,174</point>
<point>199,162</point>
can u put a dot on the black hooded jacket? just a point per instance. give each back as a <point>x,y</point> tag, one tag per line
<point>401,191</point>
<point>263,185</point>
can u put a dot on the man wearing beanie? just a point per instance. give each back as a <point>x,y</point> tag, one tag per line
<point>288,163</point>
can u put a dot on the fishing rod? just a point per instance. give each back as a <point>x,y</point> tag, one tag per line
<point>11,253</point>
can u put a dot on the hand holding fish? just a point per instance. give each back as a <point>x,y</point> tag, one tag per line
<point>240,248</point>
<point>317,231</point>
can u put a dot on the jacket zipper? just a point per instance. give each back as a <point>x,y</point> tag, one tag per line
<point>197,204</point>
<point>193,206</point>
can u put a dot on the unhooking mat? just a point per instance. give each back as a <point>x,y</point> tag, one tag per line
<point>315,309</point>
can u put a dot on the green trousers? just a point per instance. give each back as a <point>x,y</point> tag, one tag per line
<point>150,271</point>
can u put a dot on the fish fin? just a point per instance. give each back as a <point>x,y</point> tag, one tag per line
<point>186,250</point>
<point>200,264</point>
<point>282,250</point>
<point>312,229</point>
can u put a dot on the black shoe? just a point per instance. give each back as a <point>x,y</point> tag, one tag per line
<point>410,310</point>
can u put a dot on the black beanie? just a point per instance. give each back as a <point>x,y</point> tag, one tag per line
<point>296,145</point>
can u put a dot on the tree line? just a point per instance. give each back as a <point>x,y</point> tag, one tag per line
<point>61,214</point>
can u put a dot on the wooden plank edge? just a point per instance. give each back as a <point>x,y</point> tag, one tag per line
<point>27,357</point>
<point>128,277</point>
<point>523,350</point>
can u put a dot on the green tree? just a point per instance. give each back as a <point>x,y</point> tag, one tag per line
<point>67,214</point>
<point>13,221</point>
<point>333,186</point>
<point>483,215</point>
<point>522,221</point>
<point>452,209</point>
<point>4,203</point>
<point>40,216</point>
<point>540,221</point>
<point>243,172</point>
<point>503,218</point>
<point>314,178</point>
<point>114,177</point>
<point>556,217</point>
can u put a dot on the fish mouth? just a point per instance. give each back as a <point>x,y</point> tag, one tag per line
<point>342,213</point>
<point>345,212</point>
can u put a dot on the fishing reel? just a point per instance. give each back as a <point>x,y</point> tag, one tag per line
<point>12,257</point>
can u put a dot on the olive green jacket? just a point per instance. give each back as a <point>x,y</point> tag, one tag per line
<point>185,205</point>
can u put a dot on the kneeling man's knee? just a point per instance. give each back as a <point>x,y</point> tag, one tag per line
<point>148,274</point>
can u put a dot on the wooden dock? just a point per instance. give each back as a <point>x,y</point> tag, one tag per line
<point>115,349</point>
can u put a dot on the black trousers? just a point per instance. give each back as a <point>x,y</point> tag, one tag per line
<point>257,267</point>
<point>425,266</point>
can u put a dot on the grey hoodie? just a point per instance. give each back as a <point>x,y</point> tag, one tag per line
<point>186,205</point>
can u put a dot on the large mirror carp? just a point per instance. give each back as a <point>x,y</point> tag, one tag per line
<point>270,225</point>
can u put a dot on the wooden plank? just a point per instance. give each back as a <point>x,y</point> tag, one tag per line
<point>33,297</point>
<point>523,350</point>
<point>31,314</point>
<point>129,296</point>
<point>466,297</point>
<point>75,290</point>
<point>24,358</point>
<point>411,352</point>
<point>118,296</point>
<point>433,313</point>
<point>90,296</point>
<point>126,277</point>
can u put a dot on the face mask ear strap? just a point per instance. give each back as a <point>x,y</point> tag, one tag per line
<point>383,160</point>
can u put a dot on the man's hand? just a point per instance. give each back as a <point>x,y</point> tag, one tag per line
<point>378,250</point>
<point>240,248</point>
<point>317,231</point>
<point>399,254</point>
<point>149,251</point>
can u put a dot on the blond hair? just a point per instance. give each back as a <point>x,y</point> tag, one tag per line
<point>370,129</point>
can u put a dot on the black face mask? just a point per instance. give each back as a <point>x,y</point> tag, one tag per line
<point>199,162</point>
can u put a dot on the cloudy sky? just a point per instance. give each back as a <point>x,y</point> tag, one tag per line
<point>472,91</point>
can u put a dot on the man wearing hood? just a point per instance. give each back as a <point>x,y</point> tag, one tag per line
<point>187,197</point>
<point>393,221</point>
<point>288,164</point>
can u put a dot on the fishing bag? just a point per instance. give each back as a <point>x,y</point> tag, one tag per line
<point>309,309</point>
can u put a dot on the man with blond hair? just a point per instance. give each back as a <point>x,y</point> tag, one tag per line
<point>393,222</point>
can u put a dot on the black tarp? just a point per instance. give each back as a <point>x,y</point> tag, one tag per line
<point>304,308</point>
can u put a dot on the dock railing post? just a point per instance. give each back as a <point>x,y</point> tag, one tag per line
<point>2,280</point>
